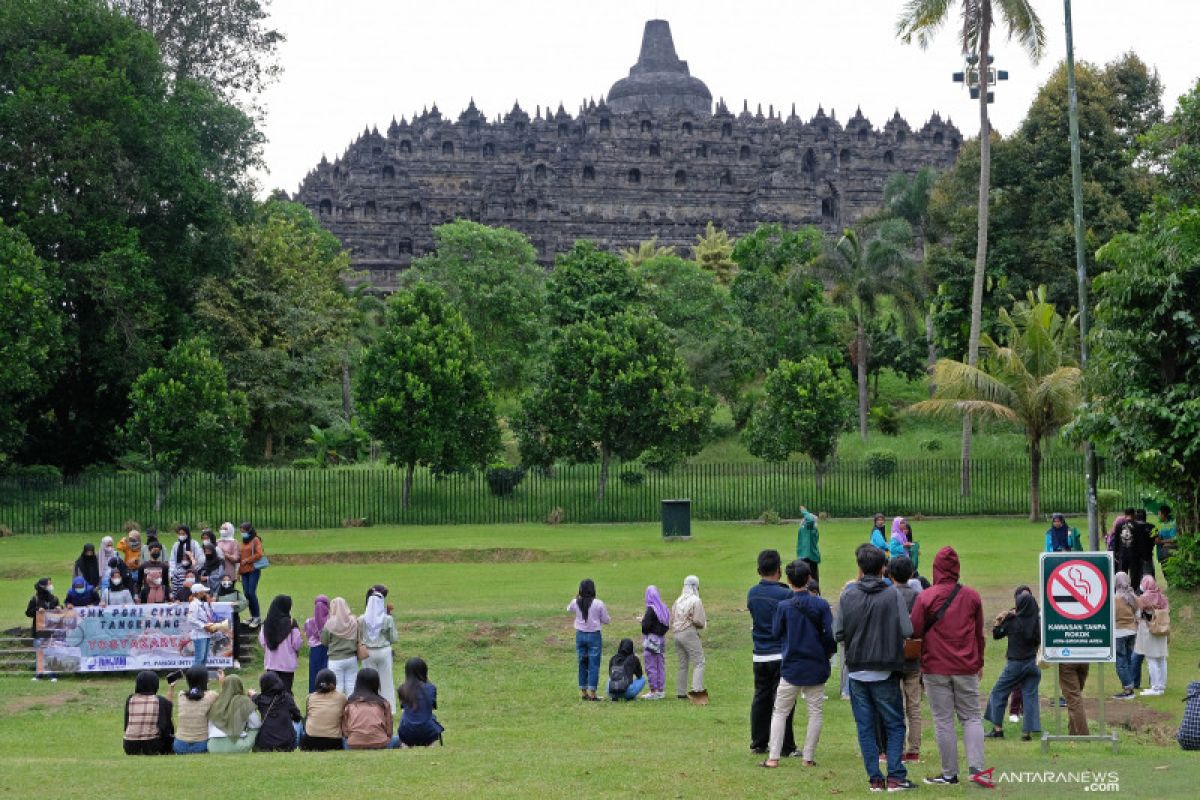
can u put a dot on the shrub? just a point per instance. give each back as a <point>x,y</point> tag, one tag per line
<point>5,531</point>
<point>502,480</point>
<point>355,522</point>
<point>930,445</point>
<point>1107,500</point>
<point>886,420</point>
<point>881,463</point>
<point>556,516</point>
<point>743,408</point>
<point>770,517</point>
<point>53,513</point>
<point>1182,569</point>
<point>306,463</point>
<point>632,477</point>
<point>38,476</point>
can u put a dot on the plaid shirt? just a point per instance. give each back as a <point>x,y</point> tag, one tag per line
<point>1189,729</point>
<point>143,718</point>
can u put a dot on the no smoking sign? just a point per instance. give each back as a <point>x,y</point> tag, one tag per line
<point>1077,607</point>
<point>1077,590</point>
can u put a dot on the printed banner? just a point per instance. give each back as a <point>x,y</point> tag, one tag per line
<point>117,638</point>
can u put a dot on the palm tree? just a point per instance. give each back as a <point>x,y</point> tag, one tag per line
<point>908,198</point>
<point>1032,380</point>
<point>645,251</point>
<point>921,19</point>
<point>860,275</point>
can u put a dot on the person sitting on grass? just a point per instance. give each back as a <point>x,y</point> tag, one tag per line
<point>418,700</point>
<point>1022,628</point>
<point>804,624</point>
<point>148,727</point>
<point>233,721</point>
<point>81,595</point>
<point>367,717</point>
<point>323,724</point>
<point>625,678</point>
<point>191,708</point>
<point>280,731</point>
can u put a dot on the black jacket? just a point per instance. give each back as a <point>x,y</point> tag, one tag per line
<point>278,712</point>
<point>1022,628</point>
<point>651,625</point>
<point>873,623</point>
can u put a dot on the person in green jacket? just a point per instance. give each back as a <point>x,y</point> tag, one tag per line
<point>806,542</point>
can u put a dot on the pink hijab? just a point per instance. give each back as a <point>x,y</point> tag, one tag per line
<point>898,530</point>
<point>316,622</point>
<point>1152,596</point>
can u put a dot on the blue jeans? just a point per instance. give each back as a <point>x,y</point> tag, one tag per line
<point>201,647</point>
<point>635,688</point>
<point>181,748</point>
<point>392,744</point>
<point>250,589</point>
<point>1017,673</point>
<point>587,648</point>
<point>1128,671</point>
<point>869,699</point>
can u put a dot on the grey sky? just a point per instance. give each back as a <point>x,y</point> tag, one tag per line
<point>350,63</point>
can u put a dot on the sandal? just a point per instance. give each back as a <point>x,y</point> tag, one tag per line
<point>768,765</point>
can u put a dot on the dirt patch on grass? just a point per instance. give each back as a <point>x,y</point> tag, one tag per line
<point>42,703</point>
<point>489,634</point>
<point>487,555</point>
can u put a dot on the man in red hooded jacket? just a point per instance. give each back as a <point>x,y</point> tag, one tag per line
<point>948,618</point>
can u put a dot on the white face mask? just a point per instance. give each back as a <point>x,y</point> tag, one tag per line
<point>183,538</point>
<point>116,581</point>
<point>50,588</point>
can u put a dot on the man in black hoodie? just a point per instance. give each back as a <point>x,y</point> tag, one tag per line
<point>873,622</point>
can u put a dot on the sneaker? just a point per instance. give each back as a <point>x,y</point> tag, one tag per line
<point>942,780</point>
<point>1128,694</point>
<point>1062,702</point>
<point>1013,718</point>
<point>994,734</point>
<point>878,785</point>
<point>900,784</point>
<point>808,763</point>
<point>912,758</point>
<point>758,751</point>
<point>1026,737</point>
<point>55,680</point>
<point>35,677</point>
<point>1152,692</point>
<point>657,696</point>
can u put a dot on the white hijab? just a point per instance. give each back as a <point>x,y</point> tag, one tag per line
<point>375,615</point>
<point>689,597</point>
<point>227,531</point>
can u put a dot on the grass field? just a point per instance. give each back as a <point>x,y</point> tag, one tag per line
<point>484,606</point>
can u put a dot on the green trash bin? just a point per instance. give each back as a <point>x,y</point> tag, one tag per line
<point>677,519</point>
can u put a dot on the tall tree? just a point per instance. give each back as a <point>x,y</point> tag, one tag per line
<point>714,252</point>
<point>422,390</point>
<point>1172,149</point>
<point>492,275</point>
<point>278,320</point>
<point>646,250</point>
<point>805,408</point>
<point>865,275</point>
<point>588,283</point>
<point>126,191</point>
<point>908,198</point>
<point>1031,379</point>
<point>613,387</point>
<point>30,333</point>
<point>184,416</point>
<point>920,20</point>
<point>225,44</point>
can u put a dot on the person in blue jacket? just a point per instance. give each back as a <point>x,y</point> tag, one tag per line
<point>804,623</point>
<point>1058,536</point>
<point>418,699</point>
<point>878,533</point>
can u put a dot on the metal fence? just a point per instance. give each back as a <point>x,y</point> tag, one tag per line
<point>330,498</point>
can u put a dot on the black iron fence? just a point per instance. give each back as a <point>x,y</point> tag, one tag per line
<point>330,498</point>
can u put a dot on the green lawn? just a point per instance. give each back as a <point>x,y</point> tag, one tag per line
<point>484,606</point>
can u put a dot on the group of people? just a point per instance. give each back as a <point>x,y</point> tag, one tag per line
<point>626,677</point>
<point>352,699</point>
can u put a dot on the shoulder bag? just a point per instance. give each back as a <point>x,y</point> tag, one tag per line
<point>913,647</point>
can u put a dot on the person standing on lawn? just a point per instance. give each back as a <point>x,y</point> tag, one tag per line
<point>879,532</point>
<point>281,640</point>
<point>656,623</point>
<point>872,623</point>
<point>762,601</point>
<point>379,634</point>
<point>1149,644</point>
<point>1125,608</point>
<point>230,551</point>
<point>948,618</point>
<point>804,625</point>
<point>590,615</point>
<point>1166,539</point>
<point>687,620</point>
<point>901,570</point>
<point>1021,625</point>
<point>318,653</point>
<point>252,553</point>
<point>807,542</point>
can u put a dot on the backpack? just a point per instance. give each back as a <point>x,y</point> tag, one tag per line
<point>1160,623</point>
<point>618,680</point>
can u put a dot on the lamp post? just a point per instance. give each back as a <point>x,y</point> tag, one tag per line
<point>1089,453</point>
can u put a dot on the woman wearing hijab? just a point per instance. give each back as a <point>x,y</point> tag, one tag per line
<point>590,614</point>
<point>625,678</point>
<point>367,717</point>
<point>1021,626</point>
<point>655,625</point>
<point>43,599</point>
<point>1153,609</point>
<point>156,577</point>
<point>418,697</point>
<point>318,654</point>
<point>148,727</point>
<point>1058,535</point>
<point>687,620</point>
<point>281,640</point>
<point>280,731</point>
<point>879,532</point>
<point>119,591</point>
<point>1125,613</point>
<point>81,594</point>
<point>211,566</point>
<point>341,636</point>
<point>233,721</point>
<point>191,709</point>
<point>898,543</point>
<point>323,720</point>
<point>185,546</point>
<point>251,553</point>
<point>230,550</point>
<point>104,558</point>
<point>379,634</point>
<point>87,566</point>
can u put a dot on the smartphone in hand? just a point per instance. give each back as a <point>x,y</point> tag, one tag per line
<point>174,676</point>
